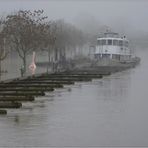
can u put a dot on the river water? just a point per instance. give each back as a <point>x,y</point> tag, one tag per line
<point>112,111</point>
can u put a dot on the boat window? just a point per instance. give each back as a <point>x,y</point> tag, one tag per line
<point>115,42</point>
<point>103,42</point>
<point>109,42</point>
<point>126,43</point>
<point>120,43</point>
<point>99,42</point>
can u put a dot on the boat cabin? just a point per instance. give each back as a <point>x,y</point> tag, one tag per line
<point>110,45</point>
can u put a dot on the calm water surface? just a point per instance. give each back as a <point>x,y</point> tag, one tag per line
<point>112,111</point>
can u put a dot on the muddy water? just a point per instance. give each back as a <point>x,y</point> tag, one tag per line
<point>112,111</point>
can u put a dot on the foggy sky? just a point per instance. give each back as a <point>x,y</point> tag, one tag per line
<point>124,13</point>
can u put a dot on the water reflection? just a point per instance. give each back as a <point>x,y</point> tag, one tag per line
<point>114,88</point>
<point>74,116</point>
<point>17,119</point>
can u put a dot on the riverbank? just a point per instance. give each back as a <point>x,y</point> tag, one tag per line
<point>15,91</point>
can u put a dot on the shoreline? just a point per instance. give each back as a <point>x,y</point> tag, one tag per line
<point>13,90</point>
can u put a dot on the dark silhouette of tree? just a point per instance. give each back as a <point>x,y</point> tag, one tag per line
<point>26,32</point>
<point>68,37</point>
<point>3,49</point>
<point>49,38</point>
<point>60,38</point>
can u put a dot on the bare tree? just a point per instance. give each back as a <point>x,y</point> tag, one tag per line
<point>25,30</point>
<point>68,37</point>
<point>49,37</point>
<point>3,50</point>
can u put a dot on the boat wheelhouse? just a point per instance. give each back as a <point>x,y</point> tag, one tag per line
<point>111,45</point>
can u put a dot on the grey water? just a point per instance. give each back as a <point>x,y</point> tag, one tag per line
<point>112,111</point>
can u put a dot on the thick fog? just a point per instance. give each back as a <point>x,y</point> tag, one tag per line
<point>124,16</point>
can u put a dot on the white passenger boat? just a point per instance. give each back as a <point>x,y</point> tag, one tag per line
<point>111,45</point>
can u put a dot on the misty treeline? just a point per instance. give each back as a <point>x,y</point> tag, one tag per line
<point>28,31</point>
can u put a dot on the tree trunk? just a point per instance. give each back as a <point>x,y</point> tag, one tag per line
<point>0,70</point>
<point>24,63</point>
<point>49,56</point>
<point>56,54</point>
